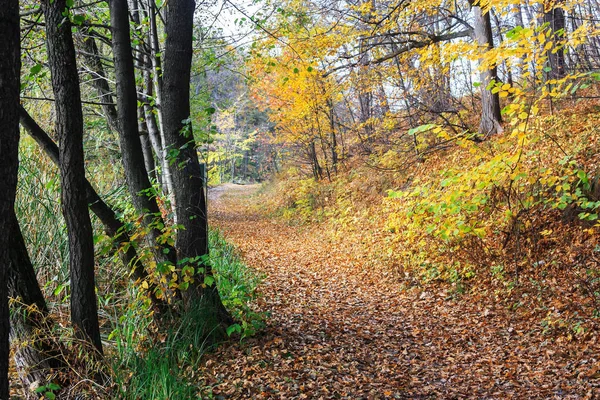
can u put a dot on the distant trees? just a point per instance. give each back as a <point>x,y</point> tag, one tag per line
<point>397,67</point>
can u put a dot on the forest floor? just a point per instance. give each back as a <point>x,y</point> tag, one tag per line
<point>335,332</point>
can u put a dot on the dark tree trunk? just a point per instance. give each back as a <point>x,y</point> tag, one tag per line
<point>112,225</point>
<point>10,66</point>
<point>491,117</point>
<point>69,129</point>
<point>334,150</point>
<point>188,180</point>
<point>132,155</point>
<point>314,159</point>
<point>556,59</point>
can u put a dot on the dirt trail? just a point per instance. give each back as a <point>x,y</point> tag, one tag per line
<point>334,333</point>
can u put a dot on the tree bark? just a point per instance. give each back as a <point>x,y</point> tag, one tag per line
<point>69,129</point>
<point>491,118</point>
<point>555,18</point>
<point>157,77</point>
<point>153,130</point>
<point>188,180</point>
<point>146,144</point>
<point>10,66</point>
<point>132,154</point>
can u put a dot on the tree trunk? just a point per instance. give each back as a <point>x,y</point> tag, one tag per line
<point>153,129</point>
<point>317,170</point>
<point>99,81</point>
<point>157,77</point>
<point>69,129</point>
<point>132,155</point>
<point>518,16</point>
<point>146,145</point>
<point>334,150</point>
<point>555,18</point>
<point>188,180</point>
<point>491,117</point>
<point>10,73</point>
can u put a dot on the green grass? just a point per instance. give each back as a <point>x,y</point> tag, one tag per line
<point>152,365</point>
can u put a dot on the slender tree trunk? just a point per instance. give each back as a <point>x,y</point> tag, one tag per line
<point>69,129</point>
<point>10,73</point>
<point>334,149</point>
<point>507,67</point>
<point>157,77</point>
<point>518,17</point>
<point>365,95</point>
<point>132,154</point>
<point>153,129</point>
<point>555,17</point>
<point>99,81</point>
<point>317,170</point>
<point>491,117</point>
<point>188,180</point>
<point>146,145</point>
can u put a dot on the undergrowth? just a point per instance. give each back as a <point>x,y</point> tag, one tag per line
<point>144,361</point>
<point>162,364</point>
<point>514,216</point>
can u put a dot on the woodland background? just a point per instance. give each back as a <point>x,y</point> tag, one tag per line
<point>451,146</point>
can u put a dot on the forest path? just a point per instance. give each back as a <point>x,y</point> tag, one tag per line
<point>333,333</point>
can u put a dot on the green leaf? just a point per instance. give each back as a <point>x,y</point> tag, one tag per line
<point>233,328</point>
<point>296,70</point>
<point>35,69</point>
<point>78,19</point>
<point>209,280</point>
<point>41,389</point>
<point>53,386</point>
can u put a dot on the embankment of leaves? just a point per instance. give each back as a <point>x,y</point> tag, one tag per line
<point>513,218</point>
<point>151,363</point>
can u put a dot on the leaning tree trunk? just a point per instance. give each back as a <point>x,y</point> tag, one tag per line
<point>114,227</point>
<point>491,117</point>
<point>188,179</point>
<point>10,65</point>
<point>69,129</point>
<point>132,154</point>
